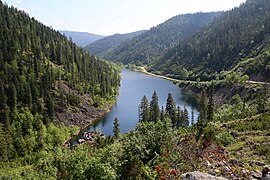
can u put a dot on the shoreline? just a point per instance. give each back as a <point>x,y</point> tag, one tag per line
<point>143,70</point>
<point>86,126</point>
<point>90,122</point>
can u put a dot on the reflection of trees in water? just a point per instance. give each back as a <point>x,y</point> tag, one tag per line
<point>190,99</point>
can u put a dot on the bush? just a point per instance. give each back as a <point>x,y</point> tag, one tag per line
<point>224,138</point>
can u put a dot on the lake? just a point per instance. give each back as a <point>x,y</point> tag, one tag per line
<point>133,86</point>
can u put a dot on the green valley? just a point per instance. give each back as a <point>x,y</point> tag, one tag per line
<point>202,80</point>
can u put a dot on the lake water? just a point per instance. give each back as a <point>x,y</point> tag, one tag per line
<point>133,86</point>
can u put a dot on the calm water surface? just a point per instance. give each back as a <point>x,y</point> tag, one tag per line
<point>133,86</point>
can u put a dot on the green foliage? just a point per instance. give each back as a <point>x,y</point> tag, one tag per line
<point>261,122</point>
<point>154,108</point>
<point>116,128</point>
<point>149,139</point>
<point>144,112</point>
<point>223,138</point>
<point>38,67</point>
<point>238,45</point>
<point>263,150</point>
<point>238,110</point>
<point>149,45</point>
<point>170,109</point>
<point>105,45</point>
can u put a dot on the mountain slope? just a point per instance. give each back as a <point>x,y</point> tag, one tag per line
<point>236,41</point>
<point>81,38</point>
<point>42,75</point>
<point>150,45</point>
<point>107,44</point>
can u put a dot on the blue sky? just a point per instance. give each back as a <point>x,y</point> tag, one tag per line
<point>107,17</point>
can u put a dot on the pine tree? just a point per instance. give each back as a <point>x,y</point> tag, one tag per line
<point>179,117</point>
<point>12,97</point>
<point>144,112</point>
<point>3,145</point>
<point>116,128</point>
<point>170,109</point>
<point>203,109</point>
<point>154,108</point>
<point>3,106</point>
<point>162,114</point>
<point>50,107</point>
<point>210,107</point>
<point>185,118</point>
<point>192,117</point>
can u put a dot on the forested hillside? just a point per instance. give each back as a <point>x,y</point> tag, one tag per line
<point>237,41</point>
<point>148,46</point>
<point>36,62</point>
<point>44,76</point>
<point>82,38</point>
<point>105,45</point>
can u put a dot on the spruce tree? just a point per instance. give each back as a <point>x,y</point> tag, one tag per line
<point>210,107</point>
<point>179,117</point>
<point>50,107</point>
<point>12,96</point>
<point>170,109</point>
<point>154,108</point>
<point>192,117</point>
<point>162,114</point>
<point>116,128</point>
<point>144,112</point>
<point>185,118</point>
<point>3,106</point>
<point>203,109</point>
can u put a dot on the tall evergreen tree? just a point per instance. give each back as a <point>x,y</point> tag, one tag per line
<point>3,106</point>
<point>192,117</point>
<point>185,118</point>
<point>144,113</point>
<point>116,128</point>
<point>50,107</point>
<point>162,114</point>
<point>203,109</point>
<point>170,109</point>
<point>154,108</point>
<point>210,106</point>
<point>179,117</point>
<point>12,97</point>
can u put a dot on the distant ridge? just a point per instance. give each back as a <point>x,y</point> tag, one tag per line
<point>149,45</point>
<point>103,46</point>
<point>81,38</point>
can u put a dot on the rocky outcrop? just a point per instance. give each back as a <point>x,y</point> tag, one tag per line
<point>80,115</point>
<point>196,175</point>
<point>266,172</point>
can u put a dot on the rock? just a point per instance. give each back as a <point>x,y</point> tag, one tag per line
<point>251,163</point>
<point>236,162</point>
<point>266,171</point>
<point>219,164</point>
<point>208,163</point>
<point>245,172</point>
<point>80,141</point>
<point>217,171</point>
<point>196,175</point>
<point>256,174</point>
<point>233,161</point>
<point>258,163</point>
<point>226,169</point>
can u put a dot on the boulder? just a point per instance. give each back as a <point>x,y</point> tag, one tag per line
<point>196,175</point>
<point>266,171</point>
<point>256,174</point>
<point>259,163</point>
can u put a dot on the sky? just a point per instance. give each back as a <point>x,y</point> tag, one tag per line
<point>107,17</point>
